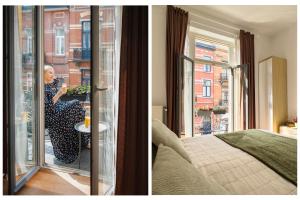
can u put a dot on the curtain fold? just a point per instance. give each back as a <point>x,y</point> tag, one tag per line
<point>177,21</point>
<point>132,142</point>
<point>247,57</point>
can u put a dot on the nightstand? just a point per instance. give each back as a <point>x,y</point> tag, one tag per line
<point>288,131</point>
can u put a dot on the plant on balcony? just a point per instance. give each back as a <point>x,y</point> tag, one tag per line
<point>79,90</point>
<point>204,111</point>
<point>219,110</point>
<point>80,93</point>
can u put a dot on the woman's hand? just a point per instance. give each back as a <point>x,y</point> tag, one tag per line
<point>61,92</point>
<point>63,89</point>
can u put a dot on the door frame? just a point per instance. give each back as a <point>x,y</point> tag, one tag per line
<point>95,63</point>
<point>13,185</point>
<point>181,68</point>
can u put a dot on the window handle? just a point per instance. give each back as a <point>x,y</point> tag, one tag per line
<point>100,89</point>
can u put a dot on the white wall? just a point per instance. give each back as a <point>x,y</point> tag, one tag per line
<point>284,44</point>
<point>159,15</point>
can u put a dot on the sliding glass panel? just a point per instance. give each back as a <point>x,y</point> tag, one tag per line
<point>187,93</point>
<point>24,91</point>
<point>109,43</point>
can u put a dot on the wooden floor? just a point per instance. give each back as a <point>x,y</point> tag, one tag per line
<point>50,182</point>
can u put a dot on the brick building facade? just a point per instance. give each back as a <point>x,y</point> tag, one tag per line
<point>67,41</point>
<point>211,86</point>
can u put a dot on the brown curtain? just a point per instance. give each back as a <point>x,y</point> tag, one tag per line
<point>177,20</point>
<point>132,140</point>
<point>247,57</point>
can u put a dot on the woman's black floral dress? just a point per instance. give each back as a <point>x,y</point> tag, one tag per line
<point>60,120</point>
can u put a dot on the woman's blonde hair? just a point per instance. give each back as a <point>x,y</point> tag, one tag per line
<point>47,67</point>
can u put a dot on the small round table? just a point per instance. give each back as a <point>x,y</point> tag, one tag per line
<point>80,127</point>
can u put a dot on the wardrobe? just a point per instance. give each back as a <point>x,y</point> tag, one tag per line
<point>272,93</point>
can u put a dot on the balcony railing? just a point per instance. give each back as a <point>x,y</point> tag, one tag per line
<point>223,102</point>
<point>81,53</point>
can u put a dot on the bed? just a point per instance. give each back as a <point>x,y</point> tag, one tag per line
<point>237,171</point>
<point>212,162</point>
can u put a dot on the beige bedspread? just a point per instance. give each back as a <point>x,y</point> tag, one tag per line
<point>237,171</point>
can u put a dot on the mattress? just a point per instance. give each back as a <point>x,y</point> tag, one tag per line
<point>237,171</point>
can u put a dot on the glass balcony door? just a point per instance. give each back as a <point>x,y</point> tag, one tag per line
<point>23,105</point>
<point>106,32</point>
<point>187,96</point>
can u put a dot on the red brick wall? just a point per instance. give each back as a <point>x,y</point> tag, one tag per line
<point>71,19</point>
<point>214,75</point>
<point>66,66</point>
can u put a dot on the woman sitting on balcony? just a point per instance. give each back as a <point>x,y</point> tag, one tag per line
<point>60,118</point>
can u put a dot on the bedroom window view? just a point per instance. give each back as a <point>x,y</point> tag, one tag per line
<point>226,124</point>
<point>211,88</point>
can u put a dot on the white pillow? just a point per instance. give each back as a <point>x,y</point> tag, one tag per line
<point>161,134</point>
<point>173,175</point>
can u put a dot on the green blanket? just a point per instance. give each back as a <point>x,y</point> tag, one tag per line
<point>277,152</point>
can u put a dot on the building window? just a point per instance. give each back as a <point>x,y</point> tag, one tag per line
<point>28,82</point>
<point>225,97</point>
<point>106,16</point>
<point>207,58</point>
<point>27,46</point>
<point>85,76</point>
<point>86,40</point>
<point>207,68</point>
<point>28,41</point>
<point>60,41</point>
<point>206,88</point>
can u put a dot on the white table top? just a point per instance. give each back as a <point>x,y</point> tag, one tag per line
<point>81,127</point>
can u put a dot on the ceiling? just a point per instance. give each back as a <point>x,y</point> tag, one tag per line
<point>264,19</point>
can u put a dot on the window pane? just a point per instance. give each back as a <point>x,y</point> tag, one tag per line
<point>208,91</point>
<point>60,32</point>
<point>24,93</point>
<point>207,83</point>
<point>62,44</point>
<point>86,26</point>
<point>109,38</point>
